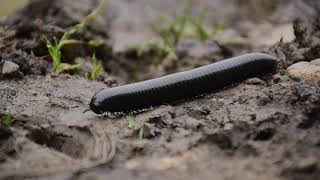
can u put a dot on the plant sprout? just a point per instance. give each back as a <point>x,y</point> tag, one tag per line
<point>97,68</point>
<point>54,47</point>
<point>6,119</point>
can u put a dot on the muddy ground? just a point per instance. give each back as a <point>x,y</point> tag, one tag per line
<point>262,128</point>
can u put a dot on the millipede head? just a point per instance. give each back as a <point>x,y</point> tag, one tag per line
<point>96,104</point>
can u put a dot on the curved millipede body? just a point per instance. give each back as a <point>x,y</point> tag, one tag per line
<point>180,85</point>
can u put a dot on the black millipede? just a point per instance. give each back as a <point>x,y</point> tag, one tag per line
<point>181,85</point>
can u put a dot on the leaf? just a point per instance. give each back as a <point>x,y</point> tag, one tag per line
<point>6,119</point>
<point>97,68</point>
<point>68,68</point>
<point>69,41</point>
<point>54,48</point>
<point>95,43</point>
<point>55,53</point>
<point>141,133</point>
<point>130,120</point>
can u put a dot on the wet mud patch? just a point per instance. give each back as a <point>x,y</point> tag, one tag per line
<point>42,144</point>
<point>71,140</point>
<point>55,149</point>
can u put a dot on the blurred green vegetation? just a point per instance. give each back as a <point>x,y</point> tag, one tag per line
<point>8,6</point>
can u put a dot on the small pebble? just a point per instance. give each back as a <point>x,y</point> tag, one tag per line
<point>305,165</point>
<point>316,62</point>
<point>304,71</point>
<point>10,68</point>
<point>228,126</point>
<point>255,81</point>
<point>192,123</point>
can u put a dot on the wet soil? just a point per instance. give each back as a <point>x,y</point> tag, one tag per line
<point>262,128</point>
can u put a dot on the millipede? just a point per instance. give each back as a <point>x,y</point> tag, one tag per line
<point>181,85</point>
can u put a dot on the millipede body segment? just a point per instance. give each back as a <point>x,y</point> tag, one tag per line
<point>180,85</point>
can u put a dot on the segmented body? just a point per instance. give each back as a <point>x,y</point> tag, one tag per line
<point>180,85</point>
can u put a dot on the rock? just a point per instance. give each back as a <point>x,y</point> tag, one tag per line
<point>316,62</point>
<point>307,165</point>
<point>28,63</point>
<point>280,78</point>
<point>10,69</point>
<point>255,81</point>
<point>150,131</point>
<point>200,111</point>
<point>228,126</point>
<point>191,123</point>
<point>305,71</point>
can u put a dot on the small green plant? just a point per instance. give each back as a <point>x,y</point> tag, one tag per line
<point>154,49</point>
<point>54,49</point>
<point>185,24</point>
<point>55,53</point>
<point>97,68</point>
<point>131,124</point>
<point>6,119</point>
<point>141,133</point>
<point>55,46</point>
<point>130,120</point>
<point>95,43</point>
<point>201,32</point>
<point>159,50</point>
<point>173,28</point>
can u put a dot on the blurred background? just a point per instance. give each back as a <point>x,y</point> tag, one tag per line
<point>8,6</point>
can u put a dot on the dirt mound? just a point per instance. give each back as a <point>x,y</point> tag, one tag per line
<point>22,34</point>
<point>306,45</point>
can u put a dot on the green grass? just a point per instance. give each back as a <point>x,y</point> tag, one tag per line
<point>97,68</point>
<point>54,46</point>
<point>141,133</point>
<point>173,28</point>
<point>55,53</point>
<point>95,43</point>
<point>130,120</point>
<point>131,123</point>
<point>54,49</point>
<point>160,50</point>
<point>6,119</point>
<point>200,31</point>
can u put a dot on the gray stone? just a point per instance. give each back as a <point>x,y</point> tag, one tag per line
<point>316,62</point>
<point>255,81</point>
<point>304,71</point>
<point>10,68</point>
<point>192,123</point>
